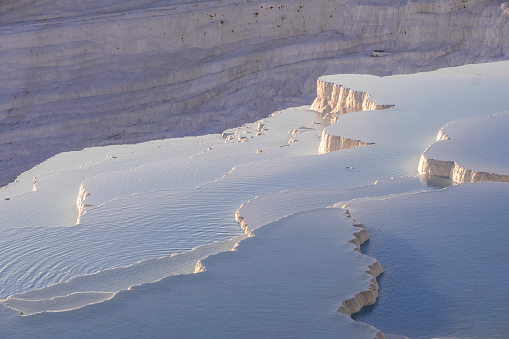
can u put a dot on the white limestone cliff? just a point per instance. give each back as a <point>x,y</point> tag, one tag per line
<point>454,171</point>
<point>172,69</point>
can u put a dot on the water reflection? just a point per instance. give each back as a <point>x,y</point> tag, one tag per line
<point>436,181</point>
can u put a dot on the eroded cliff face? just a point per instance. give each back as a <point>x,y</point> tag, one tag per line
<point>363,298</point>
<point>188,68</point>
<point>369,296</point>
<point>366,297</point>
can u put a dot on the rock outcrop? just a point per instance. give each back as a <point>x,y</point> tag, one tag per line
<point>363,298</point>
<point>457,173</point>
<point>469,150</point>
<point>334,100</point>
<point>332,143</point>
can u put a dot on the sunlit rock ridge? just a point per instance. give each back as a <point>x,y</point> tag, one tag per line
<point>79,74</point>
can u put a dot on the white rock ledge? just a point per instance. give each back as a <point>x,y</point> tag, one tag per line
<point>367,297</point>
<point>334,100</point>
<point>454,171</point>
<point>479,147</point>
<point>332,143</point>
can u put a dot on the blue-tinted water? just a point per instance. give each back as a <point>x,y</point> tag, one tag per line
<point>445,256</point>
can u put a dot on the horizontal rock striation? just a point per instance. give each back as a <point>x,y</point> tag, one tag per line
<point>165,70</point>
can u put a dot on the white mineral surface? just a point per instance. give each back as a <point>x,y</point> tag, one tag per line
<point>219,235</point>
<point>76,74</point>
<point>424,103</point>
<point>470,150</point>
<point>121,229</point>
<point>162,209</point>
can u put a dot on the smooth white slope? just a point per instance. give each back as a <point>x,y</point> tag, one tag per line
<point>271,207</point>
<point>158,198</point>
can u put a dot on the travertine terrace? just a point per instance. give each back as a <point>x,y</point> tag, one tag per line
<point>469,150</point>
<point>82,74</point>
